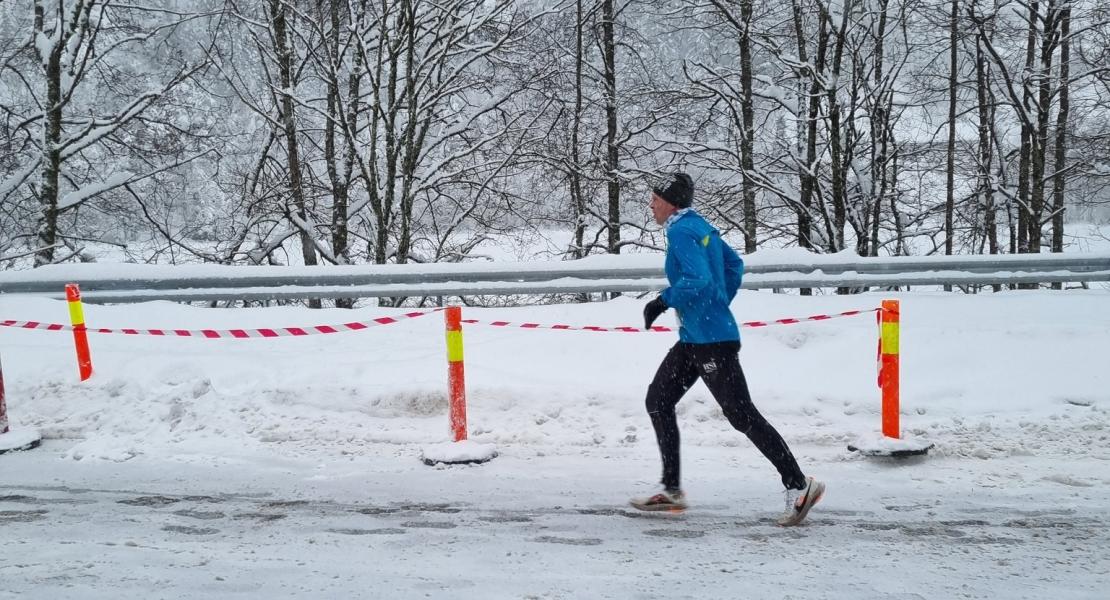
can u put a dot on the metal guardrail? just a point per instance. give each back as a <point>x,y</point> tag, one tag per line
<point>139,283</point>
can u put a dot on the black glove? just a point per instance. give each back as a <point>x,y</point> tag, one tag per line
<point>652,310</point>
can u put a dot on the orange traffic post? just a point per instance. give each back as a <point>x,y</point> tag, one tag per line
<point>890,444</point>
<point>80,334</point>
<point>888,366</point>
<point>456,383</point>
<point>460,451</point>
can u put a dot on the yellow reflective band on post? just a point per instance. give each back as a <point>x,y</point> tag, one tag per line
<point>890,338</point>
<point>454,346</point>
<point>76,314</point>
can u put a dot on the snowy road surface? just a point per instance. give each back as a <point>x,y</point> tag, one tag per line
<point>920,529</point>
<point>289,467</point>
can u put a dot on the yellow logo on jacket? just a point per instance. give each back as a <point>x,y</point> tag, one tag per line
<point>705,241</point>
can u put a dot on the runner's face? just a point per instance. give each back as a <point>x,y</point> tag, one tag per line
<point>661,209</point>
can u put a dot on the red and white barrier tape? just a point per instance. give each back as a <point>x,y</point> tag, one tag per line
<point>228,333</point>
<point>660,328</point>
<point>360,325</point>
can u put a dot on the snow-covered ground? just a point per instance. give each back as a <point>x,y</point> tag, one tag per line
<point>289,467</point>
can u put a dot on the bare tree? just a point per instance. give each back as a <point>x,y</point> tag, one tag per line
<point>612,145</point>
<point>950,155</point>
<point>985,180</point>
<point>75,46</point>
<point>1061,144</point>
<point>738,15</point>
<point>287,83</point>
<point>1032,92</point>
<point>807,168</point>
<point>576,188</point>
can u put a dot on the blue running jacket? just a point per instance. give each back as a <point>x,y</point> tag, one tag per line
<point>704,275</point>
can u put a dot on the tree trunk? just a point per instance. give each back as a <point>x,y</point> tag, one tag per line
<point>1060,160</point>
<point>836,143</point>
<point>380,202</point>
<point>612,158</point>
<point>807,172</point>
<point>340,176</point>
<point>575,157</point>
<point>410,143</point>
<point>288,116</point>
<point>880,128</point>
<point>747,143</point>
<point>1027,141</point>
<point>1044,108</point>
<point>900,248</point>
<point>986,148</point>
<point>51,154</point>
<point>950,154</point>
<point>807,140</point>
<point>950,159</point>
<point>387,108</point>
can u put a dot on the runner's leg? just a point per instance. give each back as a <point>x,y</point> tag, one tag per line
<point>719,366</point>
<point>674,377</point>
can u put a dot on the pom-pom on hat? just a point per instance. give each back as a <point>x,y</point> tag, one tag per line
<point>679,191</point>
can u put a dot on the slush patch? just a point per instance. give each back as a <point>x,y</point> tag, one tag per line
<point>682,534</point>
<point>429,524</point>
<point>286,503</point>
<point>384,531</point>
<point>150,501</point>
<point>550,539</point>
<point>263,517</point>
<point>21,516</point>
<point>377,510</point>
<point>506,519</point>
<point>204,515</point>
<point>190,530</point>
<point>440,508</point>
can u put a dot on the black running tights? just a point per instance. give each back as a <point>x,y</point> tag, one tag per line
<point>718,365</point>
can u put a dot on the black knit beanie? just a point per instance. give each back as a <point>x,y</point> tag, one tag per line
<point>679,191</point>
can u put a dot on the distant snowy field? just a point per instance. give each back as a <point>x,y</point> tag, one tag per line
<point>190,468</point>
